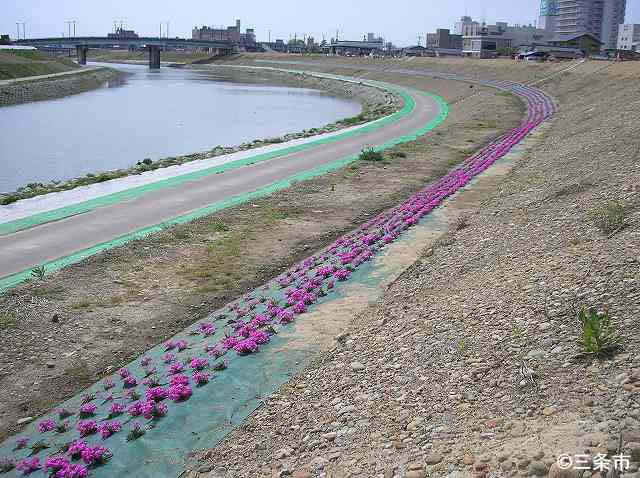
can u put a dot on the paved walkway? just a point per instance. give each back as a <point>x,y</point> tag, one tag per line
<point>70,235</point>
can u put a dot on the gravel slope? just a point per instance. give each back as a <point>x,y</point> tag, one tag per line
<point>429,381</point>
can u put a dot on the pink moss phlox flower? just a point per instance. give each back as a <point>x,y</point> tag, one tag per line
<point>95,455</point>
<point>179,380</point>
<point>109,428</point>
<point>300,307</point>
<point>146,361</point>
<point>245,331</point>
<point>88,409</point>
<point>151,409</point>
<point>309,298</point>
<point>246,346</point>
<point>275,311</point>
<point>21,443</point>
<point>135,409</point>
<point>76,448</point>
<point>168,358</point>
<point>207,329</point>
<point>86,427</point>
<point>116,409</point>
<point>342,274</point>
<point>150,381</point>
<point>201,378</point>
<point>181,345</point>
<point>260,337</point>
<point>199,364</point>
<point>156,394</point>
<point>55,463</point>
<point>169,345</point>
<point>241,313</point>
<point>124,372</point>
<point>72,470</point>
<point>46,425</point>
<point>286,316</point>
<point>260,320</point>
<point>176,368</point>
<point>29,465</point>
<point>326,271</point>
<point>230,342</point>
<point>130,382</point>
<point>178,392</point>
<point>108,383</point>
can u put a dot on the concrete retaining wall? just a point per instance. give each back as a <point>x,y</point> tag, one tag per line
<point>58,87</point>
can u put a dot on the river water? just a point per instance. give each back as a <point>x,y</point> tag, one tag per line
<point>150,114</point>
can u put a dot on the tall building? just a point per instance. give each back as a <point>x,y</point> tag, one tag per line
<point>548,16</point>
<point>628,36</point>
<point>598,17</point>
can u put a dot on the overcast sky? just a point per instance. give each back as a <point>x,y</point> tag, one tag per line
<point>400,21</point>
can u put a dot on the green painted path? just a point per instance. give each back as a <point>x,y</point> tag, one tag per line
<point>67,235</point>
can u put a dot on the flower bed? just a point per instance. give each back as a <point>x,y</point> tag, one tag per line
<point>70,444</point>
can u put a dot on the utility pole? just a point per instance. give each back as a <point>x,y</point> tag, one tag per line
<point>68,22</point>
<point>74,29</point>
<point>18,28</point>
<point>269,36</point>
<point>167,29</point>
<point>24,30</point>
<point>160,29</point>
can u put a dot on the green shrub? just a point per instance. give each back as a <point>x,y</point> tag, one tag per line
<point>610,218</point>
<point>370,155</point>
<point>38,272</point>
<point>597,336</point>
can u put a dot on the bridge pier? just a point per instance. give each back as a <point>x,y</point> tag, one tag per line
<point>81,53</point>
<point>154,57</point>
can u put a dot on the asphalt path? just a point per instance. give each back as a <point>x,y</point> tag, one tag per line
<point>24,250</point>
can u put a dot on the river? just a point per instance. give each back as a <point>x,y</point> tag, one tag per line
<point>150,114</point>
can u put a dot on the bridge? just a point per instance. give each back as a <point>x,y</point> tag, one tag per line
<point>153,44</point>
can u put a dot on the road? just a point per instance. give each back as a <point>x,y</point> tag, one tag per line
<point>23,250</point>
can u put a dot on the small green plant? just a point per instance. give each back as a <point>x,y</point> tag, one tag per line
<point>462,222</point>
<point>38,272</point>
<point>220,226</point>
<point>397,154</point>
<point>610,218</point>
<point>597,336</point>
<point>147,161</point>
<point>370,155</point>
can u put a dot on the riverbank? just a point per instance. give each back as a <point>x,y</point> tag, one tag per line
<point>472,363</point>
<point>375,103</point>
<point>56,86</point>
<point>23,63</point>
<point>133,297</point>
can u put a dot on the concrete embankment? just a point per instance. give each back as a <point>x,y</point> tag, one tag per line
<point>55,86</point>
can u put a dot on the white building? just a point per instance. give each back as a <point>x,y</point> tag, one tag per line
<point>598,17</point>
<point>466,27</point>
<point>628,36</point>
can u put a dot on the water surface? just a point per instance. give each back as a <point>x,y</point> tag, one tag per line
<point>151,114</point>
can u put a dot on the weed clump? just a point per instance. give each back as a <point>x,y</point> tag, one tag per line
<point>610,218</point>
<point>370,155</point>
<point>597,336</point>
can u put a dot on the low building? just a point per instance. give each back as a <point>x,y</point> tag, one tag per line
<point>5,40</point>
<point>628,36</point>
<point>485,45</point>
<point>355,48</point>
<point>232,34</point>
<point>586,42</point>
<point>122,34</point>
<point>443,38</point>
<point>416,50</point>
